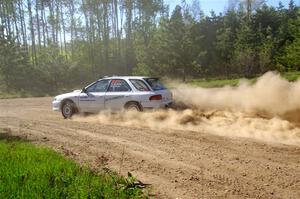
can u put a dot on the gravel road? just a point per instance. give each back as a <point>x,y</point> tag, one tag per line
<point>177,163</point>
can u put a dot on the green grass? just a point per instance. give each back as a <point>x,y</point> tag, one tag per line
<point>215,82</point>
<point>211,83</point>
<point>5,95</point>
<point>20,94</point>
<point>29,171</point>
<point>291,76</point>
<point>11,95</point>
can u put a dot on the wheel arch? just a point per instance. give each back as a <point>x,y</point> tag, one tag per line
<point>69,100</point>
<point>135,102</point>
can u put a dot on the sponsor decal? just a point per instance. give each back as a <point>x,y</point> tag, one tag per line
<point>113,98</point>
<point>86,99</point>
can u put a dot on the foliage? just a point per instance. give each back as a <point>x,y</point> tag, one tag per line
<point>50,46</point>
<point>13,64</point>
<point>291,55</point>
<point>220,82</point>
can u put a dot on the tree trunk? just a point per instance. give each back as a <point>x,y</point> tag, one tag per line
<point>43,23</point>
<point>23,25</point>
<point>64,31</point>
<point>38,23</point>
<point>34,59</point>
<point>16,23</point>
<point>52,22</point>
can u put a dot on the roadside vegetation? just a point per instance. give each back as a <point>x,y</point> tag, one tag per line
<point>201,82</point>
<point>29,171</point>
<point>50,46</point>
<point>18,94</point>
<point>218,82</point>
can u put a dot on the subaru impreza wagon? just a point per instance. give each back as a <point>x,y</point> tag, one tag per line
<point>115,93</point>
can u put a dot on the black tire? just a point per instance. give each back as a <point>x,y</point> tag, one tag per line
<point>68,109</point>
<point>133,106</point>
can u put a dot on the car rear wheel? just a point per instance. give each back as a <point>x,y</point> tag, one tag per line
<point>67,109</point>
<point>133,106</point>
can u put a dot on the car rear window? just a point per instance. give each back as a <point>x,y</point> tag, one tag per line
<point>155,84</point>
<point>139,85</point>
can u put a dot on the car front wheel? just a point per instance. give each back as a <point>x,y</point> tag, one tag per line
<point>68,109</point>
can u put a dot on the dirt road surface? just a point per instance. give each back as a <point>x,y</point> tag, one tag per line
<point>178,164</point>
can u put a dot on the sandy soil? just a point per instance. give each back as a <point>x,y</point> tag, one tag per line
<point>177,163</point>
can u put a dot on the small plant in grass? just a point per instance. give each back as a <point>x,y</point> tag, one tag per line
<point>130,183</point>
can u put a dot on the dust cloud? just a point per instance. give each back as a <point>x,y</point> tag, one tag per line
<point>268,110</point>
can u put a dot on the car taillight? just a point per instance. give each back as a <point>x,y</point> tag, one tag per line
<point>155,97</point>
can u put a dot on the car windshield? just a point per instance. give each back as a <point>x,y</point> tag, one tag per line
<point>155,84</point>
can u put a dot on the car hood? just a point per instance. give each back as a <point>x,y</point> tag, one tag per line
<point>68,95</point>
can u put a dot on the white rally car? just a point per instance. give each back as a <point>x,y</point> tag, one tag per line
<point>115,93</point>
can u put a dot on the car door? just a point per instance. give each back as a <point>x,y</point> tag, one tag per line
<point>118,93</point>
<point>93,99</point>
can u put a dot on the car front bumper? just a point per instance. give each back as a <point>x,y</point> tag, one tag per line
<point>56,105</point>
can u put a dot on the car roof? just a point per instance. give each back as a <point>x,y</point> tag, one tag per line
<point>126,77</point>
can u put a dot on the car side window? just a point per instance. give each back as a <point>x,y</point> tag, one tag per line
<point>99,86</point>
<point>139,85</point>
<point>118,85</point>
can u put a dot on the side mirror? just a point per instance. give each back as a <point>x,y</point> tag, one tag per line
<point>84,90</point>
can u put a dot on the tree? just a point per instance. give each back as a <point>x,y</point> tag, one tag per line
<point>226,39</point>
<point>291,56</point>
<point>14,64</point>
<point>245,55</point>
<point>52,39</point>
